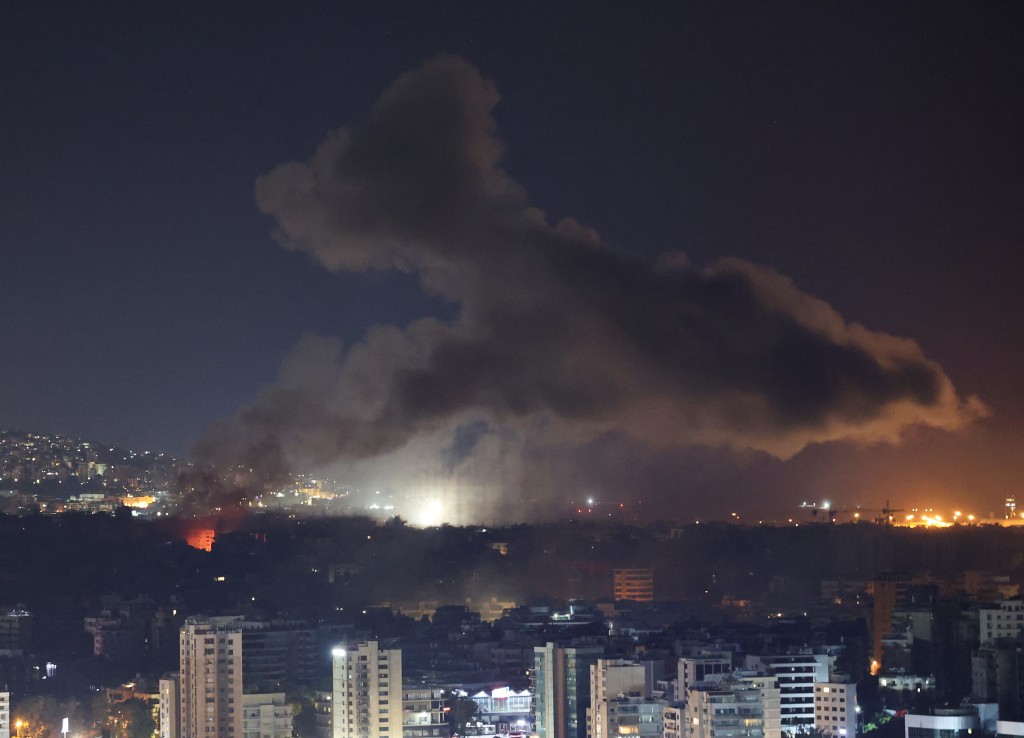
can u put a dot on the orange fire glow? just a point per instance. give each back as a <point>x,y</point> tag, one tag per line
<point>201,538</point>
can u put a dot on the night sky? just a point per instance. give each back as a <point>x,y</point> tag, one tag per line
<point>872,154</point>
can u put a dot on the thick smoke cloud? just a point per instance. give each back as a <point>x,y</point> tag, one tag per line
<point>559,339</point>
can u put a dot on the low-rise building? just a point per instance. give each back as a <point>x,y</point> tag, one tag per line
<point>423,712</point>
<point>504,711</point>
<point>5,715</point>
<point>835,709</point>
<point>1003,621</point>
<point>944,723</point>
<point>266,715</point>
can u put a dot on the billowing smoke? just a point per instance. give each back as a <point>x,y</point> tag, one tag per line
<point>559,339</point>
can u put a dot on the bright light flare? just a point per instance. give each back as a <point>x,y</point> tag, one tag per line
<point>429,513</point>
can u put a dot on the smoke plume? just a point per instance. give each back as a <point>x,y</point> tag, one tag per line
<point>559,339</point>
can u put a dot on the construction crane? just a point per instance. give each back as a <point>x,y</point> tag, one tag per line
<point>827,508</point>
<point>886,517</point>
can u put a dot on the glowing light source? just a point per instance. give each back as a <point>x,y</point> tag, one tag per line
<point>430,512</point>
<point>338,653</point>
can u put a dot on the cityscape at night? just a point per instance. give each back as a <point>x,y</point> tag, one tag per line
<point>523,370</point>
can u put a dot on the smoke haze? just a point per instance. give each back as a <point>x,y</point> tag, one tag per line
<point>561,343</point>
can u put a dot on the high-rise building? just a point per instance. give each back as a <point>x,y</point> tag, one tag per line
<point>367,700</point>
<point>170,708</point>
<point>323,708</point>
<point>278,655</point>
<point>16,630</point>
<point>633,584</point>
<point>771,701</point>
<point>210,679</point>
<point>561,680</point>
<point>997,676</point>
<point>612,680</point>
<point>888,592</point>
<point>835,709</point>
<point>796,674</point>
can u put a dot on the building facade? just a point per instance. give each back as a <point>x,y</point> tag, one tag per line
<point>561,681</point>
<point>673,718</point>
<point>712,666</point>
<point>612,680</point>
<point>796,675</point>
<point>631,717</point>
<point>504,711</point>
<point>5,715</point>
<point>210,678</point>
<point>423,712</point>
<point>367,700</point>
<point>835,709</point>
<point>948,723</point>
<point>1004,621</point>
<point>636,585</point>
<point>731,709</point>
<point>323,707</point>
<point>169,711</point>
<point>266,715</point>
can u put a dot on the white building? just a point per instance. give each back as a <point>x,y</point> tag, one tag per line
<point>170,708</point>
<point>210,678</point>
<point>771,701</point>
<point>672,720</point>
<point>700,668</point>
<point>5,715</point>
<point>911,682</point>
<point>835,709</point>
<point>367,699</point>
<point>266,715</point>
<point>797,674</point>
<point>423,712</point>
<point>1004,621</point>
<point>504,711</point>
<point>1009,729</point>
<point>633,716</point>
<point>610,680</point>
<point>731,709</point>
<point>948,723</point>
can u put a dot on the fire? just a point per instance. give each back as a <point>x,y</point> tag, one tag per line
<point>201,538</point>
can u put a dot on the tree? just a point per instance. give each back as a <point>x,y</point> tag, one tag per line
<point>303,717</point>
<point>131,719</point>
<point>461,712</point>
<point>41,717</point>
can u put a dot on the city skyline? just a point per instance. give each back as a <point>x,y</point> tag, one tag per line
<point>785,246</point>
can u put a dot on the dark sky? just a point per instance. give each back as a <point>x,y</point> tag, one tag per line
<point>870,152</point>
